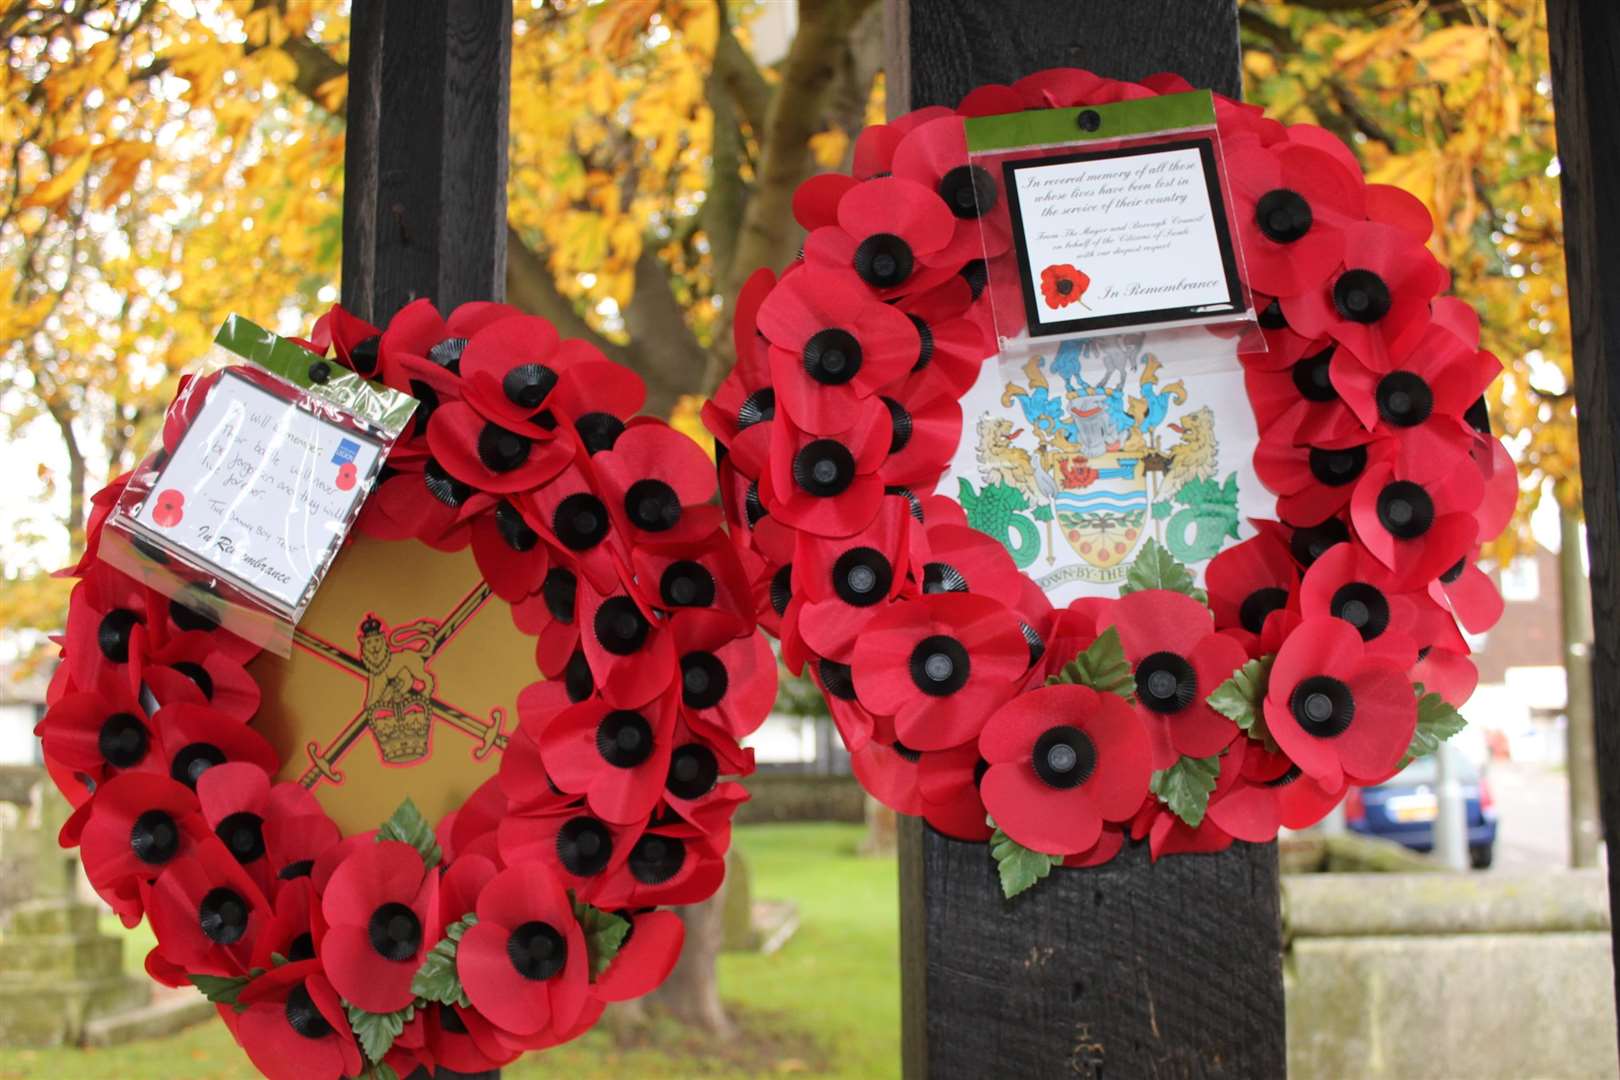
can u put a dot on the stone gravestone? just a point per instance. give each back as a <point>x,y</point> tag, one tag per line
<point>58,973</point>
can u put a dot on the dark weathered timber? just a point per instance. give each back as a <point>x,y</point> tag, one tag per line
<point>1584,40</point>
<point>424,160</point>
<point>424,209</point>
<point>947,47</point>
<point>1133,969</point>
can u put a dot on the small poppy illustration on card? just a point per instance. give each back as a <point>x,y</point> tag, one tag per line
<point>346,476</point>
<point>1063,284</point>
<point>169,508</point>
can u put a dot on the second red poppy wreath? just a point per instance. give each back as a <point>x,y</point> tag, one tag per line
<point>445,830</point>
<point>1324,652</point>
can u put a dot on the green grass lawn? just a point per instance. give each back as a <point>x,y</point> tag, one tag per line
<point>827,1004</point>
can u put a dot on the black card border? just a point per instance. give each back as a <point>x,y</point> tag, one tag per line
<point>1035,328</point>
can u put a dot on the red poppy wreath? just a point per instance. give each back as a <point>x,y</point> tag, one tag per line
<point>1324,651</point>
<point>336,936</point>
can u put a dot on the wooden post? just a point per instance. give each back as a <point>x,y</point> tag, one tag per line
<point>424,198</point>
<point>1584,41</point>
<point>1131,969</point>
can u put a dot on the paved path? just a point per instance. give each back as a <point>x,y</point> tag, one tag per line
<point>1532,802</point>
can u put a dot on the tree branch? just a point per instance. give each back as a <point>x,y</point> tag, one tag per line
<point>736,71</point>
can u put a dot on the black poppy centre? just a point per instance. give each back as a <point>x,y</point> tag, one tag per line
<point>1166,682</point>
<point>704,680</point>
<point>1405,509</point>
<point>832,357</point>
<point>1283,216</point>
<point>580,521</point>
<point>624,739</point>
<point>302,1015</point>
<point>113,635</point>
<point>685,583</point>
<point>513,529</point>
<point>968,190</point>
<point>883,260</point>
<point>652,505</point>
<point>1312,376</point>
<point>939,665</point>
<point>442,486</point>
<point>527,385</point>
<point>123,740</point>
<point>1404,399</point>
<point>1258,605</point>
<point>537,951</point>
<point>1311,542</point>
<point>193,760</point>
<point>1323,706</point>
<point>620,626</point>
<point>558,591</point>
<point>861,577</point>
<point>223,916</point>
<point>757,408</point>
<point>501,450</point>
<point>155,837</point>
<point>1064,757</point>
<point>584,846</point>
<point>242,833</point>
<point>1336,468</point>
<point>655,859</point>
<point>941,577</point>
<point>395,932</point>
<point>693,771</point>
<point>599,431</point>
<point>1363,607</point>
<point>1361,296</point>
<point>824,468</point>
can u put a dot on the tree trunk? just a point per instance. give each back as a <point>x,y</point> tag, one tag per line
<point>1585,825</point>
<point>691,994</point>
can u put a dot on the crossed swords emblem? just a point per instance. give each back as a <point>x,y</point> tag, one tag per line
<point>323,761</point>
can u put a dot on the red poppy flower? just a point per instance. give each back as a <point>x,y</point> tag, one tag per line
<point>1300,399</point>
<point>745,401</point>
<point>381,910</point>
<point>1336,711</point>
<point>489,457</point>
<point>837,684</point>
<point>460,1039</point>
<point>952,344</point>
<point>1349,584</point>
<point>259,823</point>
<point>205,911</point>
<point>519,375</point>
<point>352,340</point>
<point>1376,305</point>
<point>670,863</point>
<point>892,232</point>
<point>889,772</point>
<point>1398,207</point>
<point>551,615</point>
<point>833,346</point>
<point>1469,593</point>
<point>935,155</point>
<point>692,787</point>
<point>925,431</point>
<point>840,585</point>
<point>616,758</point>
<point>1167,834</point>
<point>191,668</point>
<point>828,484</point>
<point>645,959</point>
<point>631,657</point>
<point>1063,88</point>
<point>99,735</point>
<point>939,664</point>
<point>1445,669</point>
<point>1416,515</point>
<point>101,506</point>
<point>1501,478</point>
<point>294,1026</point>
<point>578,524</point>
<point>1062,285</point>
<point>876,144</point>
<point>658,483</point>
<point>962,559</point>
<point>948,781</point>
<point>194,738</point>
<point>1248,582</point>
<point>418,332</point>
<point>138,823</point>
<point>524,964</point>
<point>726,680</point>
<point>1291,203</point>
<point>107,634</point>
<point>509,553</point>
<point>189,397</point>
<point>1424,396</point>
<point>424,503</point>
<point>991,99</point>
<point>1271,793</point>
<point>815,200</point>
<point>1314,482</point>
<point>1063,759</point>
<point>294,926</point>
<point>707,574</point>
<point>1179,660</point>
<point>584,851</point>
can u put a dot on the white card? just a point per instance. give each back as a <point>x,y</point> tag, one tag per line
<point>260,490</point>
<point>1128,236</point>
<point>1074,455</point>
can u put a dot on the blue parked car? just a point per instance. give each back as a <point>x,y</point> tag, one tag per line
<point>1403,809</point>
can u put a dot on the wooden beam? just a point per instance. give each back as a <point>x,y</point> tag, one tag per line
<point>1584,42</point>
<point>424,202</point>
<point>1131,969</point>
<point>424,162</point>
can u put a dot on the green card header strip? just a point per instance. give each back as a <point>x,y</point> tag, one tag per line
<point>1047,127</point>
<point>379,405</point>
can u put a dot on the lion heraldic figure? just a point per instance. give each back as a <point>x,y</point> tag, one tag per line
<point>399,687</point>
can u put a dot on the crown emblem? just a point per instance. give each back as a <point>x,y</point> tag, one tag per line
<point>370,625</point>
